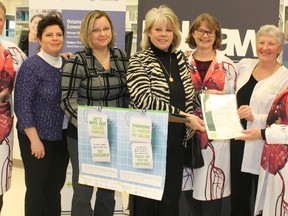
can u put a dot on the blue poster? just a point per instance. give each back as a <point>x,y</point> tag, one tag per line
<point>120,172</point>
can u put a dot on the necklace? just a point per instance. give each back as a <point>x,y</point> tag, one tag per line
<point>106,60</point>
<point>169,74</point>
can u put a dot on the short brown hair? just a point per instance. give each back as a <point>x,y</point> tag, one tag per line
<point>212,24</point>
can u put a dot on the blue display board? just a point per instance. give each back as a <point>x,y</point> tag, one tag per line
<point>120,174</point>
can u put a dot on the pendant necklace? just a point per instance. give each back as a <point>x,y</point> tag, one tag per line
<point>169,74</point>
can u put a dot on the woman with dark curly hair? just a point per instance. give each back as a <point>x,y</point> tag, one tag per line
<point>41,121</point>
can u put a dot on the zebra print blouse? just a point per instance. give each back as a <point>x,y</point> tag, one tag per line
<point>148,86</point>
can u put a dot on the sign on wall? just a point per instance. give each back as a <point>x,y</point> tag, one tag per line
<point>239,20</point>
<point>72,14</point>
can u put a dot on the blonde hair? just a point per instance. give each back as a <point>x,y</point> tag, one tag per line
<point>3,8</point>
<point>87,27</point>
<point>271,30</point>
<point>159,15</point>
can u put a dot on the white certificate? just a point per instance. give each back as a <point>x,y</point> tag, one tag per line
<point>220,116</point>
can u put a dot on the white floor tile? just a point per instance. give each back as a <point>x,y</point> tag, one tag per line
<point>14,198</point>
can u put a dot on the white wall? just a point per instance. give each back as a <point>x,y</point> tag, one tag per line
<point>12,4</point>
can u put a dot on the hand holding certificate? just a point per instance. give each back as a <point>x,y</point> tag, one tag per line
<point>191,120</point>
<point>178,118</point>
<point>220,116</point>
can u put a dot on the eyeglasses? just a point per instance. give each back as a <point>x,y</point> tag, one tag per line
<point>98,30</point>
<point>201,32</point>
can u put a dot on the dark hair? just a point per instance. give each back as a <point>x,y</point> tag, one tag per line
<point>48,21</point>
<point>55,13</point>
<point>37,15</point>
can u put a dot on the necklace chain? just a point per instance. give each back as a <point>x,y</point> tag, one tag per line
<point>169,74</point>
<point>104,62</point>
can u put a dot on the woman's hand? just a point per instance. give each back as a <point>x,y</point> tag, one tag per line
<point>37,149</point>
<point>195,123</point>
<point>244,112</point>
<point>66,55</point>
<point>251,134</point>
<point>187,53</point>
<point>4,95</point>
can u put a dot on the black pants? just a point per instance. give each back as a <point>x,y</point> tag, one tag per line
<point>82,194</point>
<point>219,207</point>
<point>1,202</point>
<point>184,203</point>
<point>243,185</point>
<point>44,178</point>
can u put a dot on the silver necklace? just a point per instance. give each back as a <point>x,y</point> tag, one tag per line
<point>105,62</point>
<point>169,74</point>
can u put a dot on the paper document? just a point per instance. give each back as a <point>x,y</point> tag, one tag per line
<point>220,116</point>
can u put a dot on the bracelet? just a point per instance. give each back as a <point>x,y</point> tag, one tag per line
<point>263,134</point>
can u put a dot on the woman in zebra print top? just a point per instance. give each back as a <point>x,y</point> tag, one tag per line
<point>158,79</point>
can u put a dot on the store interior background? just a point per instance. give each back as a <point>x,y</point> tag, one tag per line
<point>14,198</point>
<point>12,33</point>
<point>17,17</point>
